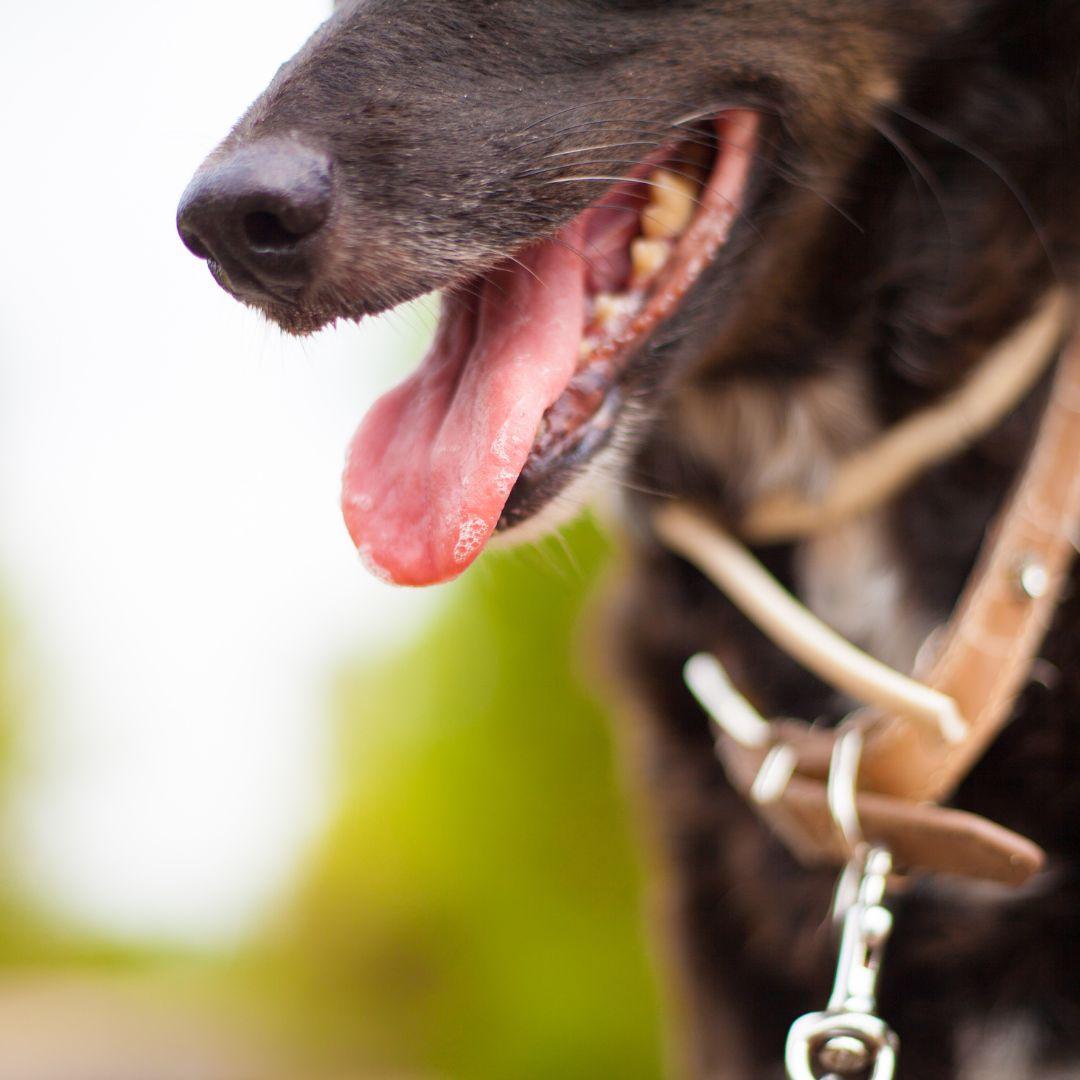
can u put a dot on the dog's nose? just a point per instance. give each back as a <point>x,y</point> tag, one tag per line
<point>258,213</point>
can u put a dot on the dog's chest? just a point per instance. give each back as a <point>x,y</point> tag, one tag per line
<point>763,439</point>
<point>1006,1049</point>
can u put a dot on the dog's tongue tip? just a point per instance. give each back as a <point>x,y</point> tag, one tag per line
<point>433,463</point>
<point>416,517</point>
<point>421,560</point>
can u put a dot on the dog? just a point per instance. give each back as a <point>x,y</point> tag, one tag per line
<point>704,249</point>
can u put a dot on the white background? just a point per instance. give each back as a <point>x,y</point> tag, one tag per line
<point>172,557</point>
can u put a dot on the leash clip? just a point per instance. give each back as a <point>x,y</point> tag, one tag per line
<point>848,1039</point>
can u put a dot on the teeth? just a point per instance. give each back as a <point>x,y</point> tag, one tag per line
<point>672,199</point>
<point>588,344</point>
<point>607,309</point>
<point>648,256</point>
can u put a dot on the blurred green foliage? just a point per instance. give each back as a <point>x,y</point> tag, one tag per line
<point>475,911</point>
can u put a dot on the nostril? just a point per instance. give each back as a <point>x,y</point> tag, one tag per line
<point>267,232</point>
<point>279,221</point>
<point>259,211</point>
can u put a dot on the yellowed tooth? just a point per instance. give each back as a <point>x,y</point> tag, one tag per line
<point>672,199</point>
<point>648,256</point>
<point>586,349</point>
<point>607,307</point>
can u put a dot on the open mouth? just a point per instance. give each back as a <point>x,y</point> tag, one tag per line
<point>525,379</point>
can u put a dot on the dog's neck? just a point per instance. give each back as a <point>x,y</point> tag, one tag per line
<point>764,437</point>
<point>808,374</point>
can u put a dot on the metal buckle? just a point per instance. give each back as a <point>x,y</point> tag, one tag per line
<point>848,1039</point>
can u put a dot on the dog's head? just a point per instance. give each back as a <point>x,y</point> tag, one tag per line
<point>597,186</point>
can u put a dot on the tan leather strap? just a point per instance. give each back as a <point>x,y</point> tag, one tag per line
<point>875,473</point>
<point>984,660</point>
<point>998,628</point>
<point>920,835</point>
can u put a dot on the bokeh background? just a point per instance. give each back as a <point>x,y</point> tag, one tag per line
<point>263,817</point>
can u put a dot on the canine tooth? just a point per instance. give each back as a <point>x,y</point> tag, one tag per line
<point>648,256</point>
<point>672,199</point>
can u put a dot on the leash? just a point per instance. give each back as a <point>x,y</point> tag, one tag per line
<point>868,794</point>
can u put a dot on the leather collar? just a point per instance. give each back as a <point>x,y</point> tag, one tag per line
<point>919,737</point>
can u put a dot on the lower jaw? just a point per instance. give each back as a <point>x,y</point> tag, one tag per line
<point>541,481</point>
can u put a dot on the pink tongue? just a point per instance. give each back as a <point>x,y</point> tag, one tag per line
<point>430,469</point>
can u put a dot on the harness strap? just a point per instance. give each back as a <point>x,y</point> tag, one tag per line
<point>874,474</point>
<point>918,750</point>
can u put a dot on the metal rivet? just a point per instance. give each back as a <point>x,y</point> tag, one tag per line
<point>845,1055</point>
<point>1033,578</point>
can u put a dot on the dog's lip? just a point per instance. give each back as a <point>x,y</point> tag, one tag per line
<point>536,487</point>
<point>544,477</point>
<point>244,285</point>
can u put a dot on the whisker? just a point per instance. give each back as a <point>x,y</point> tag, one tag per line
<point>605,179</point>
<point>609,122</point>
<point>470,287</point>
<point>710,141</point>
<point>601,101</point>
<point>568,553</point>
<point>711,111</point>
<point>795,181</point>
<point>920,169</point>
<point>601,146</point>
<point>580,254</point>
<point>648,183</point>
<point>620,161</point>
<point>642,212</point>
<point>995,166</point>
<point>529,270</point>
<point>615,477</point>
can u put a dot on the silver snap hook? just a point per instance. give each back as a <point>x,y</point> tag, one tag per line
<point>842,787</point>
<point>827,1046</point>
<point>847,1039</point>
